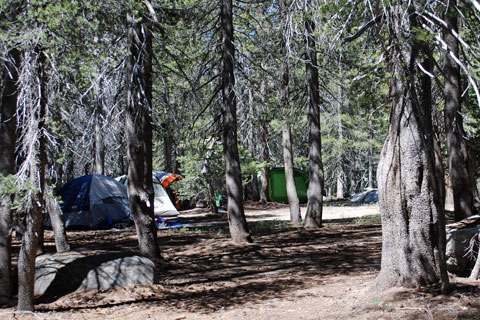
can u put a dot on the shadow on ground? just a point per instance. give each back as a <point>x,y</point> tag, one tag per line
<point>206,272</point>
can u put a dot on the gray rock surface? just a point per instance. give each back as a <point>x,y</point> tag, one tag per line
<point>458,241</point>
<point>59,274</point>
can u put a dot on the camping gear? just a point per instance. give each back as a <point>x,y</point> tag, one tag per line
<point>163,206</point>
<point>367,196</point>
<point>94,202</point>
<point>166,178</point>
<point>277,185</point>
<point>163,223</point>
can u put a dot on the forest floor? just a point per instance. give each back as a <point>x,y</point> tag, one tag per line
<point>287,273</point>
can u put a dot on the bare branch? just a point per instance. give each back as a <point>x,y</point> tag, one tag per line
<point>363,28</point>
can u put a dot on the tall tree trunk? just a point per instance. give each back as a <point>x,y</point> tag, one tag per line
<point>236,216</point>
<point>413,226</point>
<point>58,225</point>
<point>69,169</point>
<point>293,202</point>
<point>462,184</point>
<point>340,173</point>
<point>27,255</point>
<point>168,134</point>
<point>251,190</point>
<point>370,157</point>
<point>99,165</point>
<point>264,196</point>
<point>168,145</point>
<point>34,216</point>
<point>212,203</point>
<point>139,136</point>
<point>8,124</point>
<point>313,217</point>
<point>340,160</point>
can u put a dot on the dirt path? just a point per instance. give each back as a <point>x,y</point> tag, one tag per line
<point>330,213</point>
<point>255,212</point>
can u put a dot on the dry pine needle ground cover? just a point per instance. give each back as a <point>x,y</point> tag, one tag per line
<point>287,273</point>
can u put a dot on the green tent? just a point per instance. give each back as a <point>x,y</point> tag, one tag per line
<point>277,187</point>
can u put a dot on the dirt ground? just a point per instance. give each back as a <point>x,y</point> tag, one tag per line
<point>287,273</point>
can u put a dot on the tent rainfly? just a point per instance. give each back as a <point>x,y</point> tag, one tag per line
<point>277,185</point>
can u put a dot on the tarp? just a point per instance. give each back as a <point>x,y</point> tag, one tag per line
<point>94,202</point>
<point>277,185</point>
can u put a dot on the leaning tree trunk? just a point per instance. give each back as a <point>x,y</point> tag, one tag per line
<point>56,219</point>
<point>313,217</point>
<point>413,226</point>
<point>463,185</point>
<point>236,216</point>
<point>139,136</point>
<point>8,124</point>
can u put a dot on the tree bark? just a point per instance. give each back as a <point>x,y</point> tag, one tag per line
<point>58,225</point>
<point>370,157</point>
<point>139,136</point>
<point>236,216</point>
<point>251,189</point>
<point>313,217</point>
<point>264,196</point>
<point>34,216</point>
<point>168,144</point>
<point>463,185</point>
<point>99,165</point>
<point>340,160</point>
<point>413,226</point>
<point>26,257</point>
<point>340,173</point>
<point>8,124</point>
<point>212,204</point>
<point>293,202</point>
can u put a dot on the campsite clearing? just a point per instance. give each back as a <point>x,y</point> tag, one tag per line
<point>287,273</point>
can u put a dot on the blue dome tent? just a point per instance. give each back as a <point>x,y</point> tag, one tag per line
<point>94,202</point>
